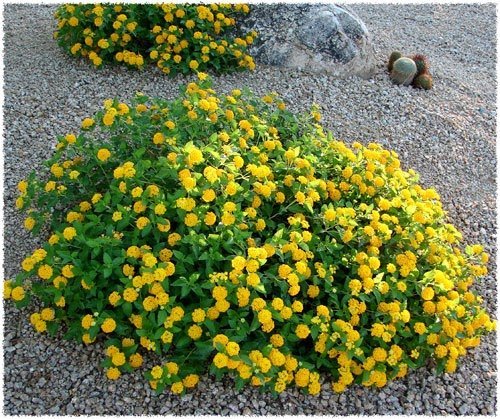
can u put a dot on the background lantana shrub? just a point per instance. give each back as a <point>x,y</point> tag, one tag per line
<point>179,38</point>
<point>225,233</point>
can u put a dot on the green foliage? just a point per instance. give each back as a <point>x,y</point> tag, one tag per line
<point>227,234</point>
<point>179,38</point>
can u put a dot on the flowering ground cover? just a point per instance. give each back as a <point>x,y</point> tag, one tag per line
<point>224,232</point>
<point>179,38</point>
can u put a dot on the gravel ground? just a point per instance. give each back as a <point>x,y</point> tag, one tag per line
<point>446,134</point>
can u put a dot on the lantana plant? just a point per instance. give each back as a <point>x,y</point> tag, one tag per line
<point>179,38</point>
<point>225,233</point>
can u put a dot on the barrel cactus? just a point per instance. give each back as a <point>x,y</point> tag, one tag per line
<point>424,81</point>
<point>395,55</point>
<point>422,64</point>
<point>403,71</point>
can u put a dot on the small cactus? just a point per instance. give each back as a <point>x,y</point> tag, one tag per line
<point>403,71</point>
<point>424,81</point>
<point>395,55</point>
<point>422,63</point>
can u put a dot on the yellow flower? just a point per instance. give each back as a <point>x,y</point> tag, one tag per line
<point>302,331</point>
<point>208,195</point>
<point>150,303</point>
<point>297,306</point>
<point>191,219</point>
<point>194,332</point>
<point>45,272</point>
<point>87,123</point>
<point>419,328</point>
<point>330,214</point>
<point>134,252</point>
<point>17,293</point>
<point>73,21</point>
<point>7,289</point>
<point>440,351</point>
<point>135,360</point>
<point>69,233</point>
<point>222,306</point>
<point>264,316</point>
<point>142,222</point>
<point>108,326</point>
<point>243,295</point>
<point>130,295</point>
<point>114,298</point>
<point>286,313</point>
<point>103,154</point>
<point>302,377</point>
<point>113,373</point>
<point>177,388</point>
<point>379,354</point>
<point>157,372</point>
<point>260,224</point>
<point>429,307</point>
<point>118,359</point>
<point>232,348</point>
<point>158,138</point>
<point>108,119</point>
<point>29,223</point>
<point>210,173</point>
<point>238,263</point>
<point>47,314</point>
<point>220,360</point>
<point>67,271</point>
<point>41,326</point>
<point>313,291</point>
<point>198,315</point>
<point>87,321</point>
<point>19,203</point>
<point>96,198</point>
<point>219,293</point>
<point>427,293</point>
<point>190,380</point>
<point>210,218</point>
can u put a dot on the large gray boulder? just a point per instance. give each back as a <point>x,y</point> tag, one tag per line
<point>320,38</point>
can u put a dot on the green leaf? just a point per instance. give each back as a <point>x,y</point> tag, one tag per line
<point>146,230</point>
<point>162,316</point>
<point>107,259</point>
<point>204,349</point>
<point>183,341</point>
<point>185,290</point>
<point>52,328</point>
<point>127,308</point>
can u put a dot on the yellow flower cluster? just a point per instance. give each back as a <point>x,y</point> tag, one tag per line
<point>177,37</point>
<point>226,233</point>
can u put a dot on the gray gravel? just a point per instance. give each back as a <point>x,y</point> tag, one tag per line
<point>446,134</point>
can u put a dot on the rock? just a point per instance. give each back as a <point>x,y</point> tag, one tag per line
<point>247,411</point>
<point>464,409</point>
<point>321,38</point>
<point>70,409</point>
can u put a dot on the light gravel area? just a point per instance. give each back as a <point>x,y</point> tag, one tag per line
<point>447,135</point>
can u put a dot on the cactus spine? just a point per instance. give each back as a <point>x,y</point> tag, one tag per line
<point>424,81</point>
<point>422,64</point>
<point>403,71</point>
<point>395,55</point>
